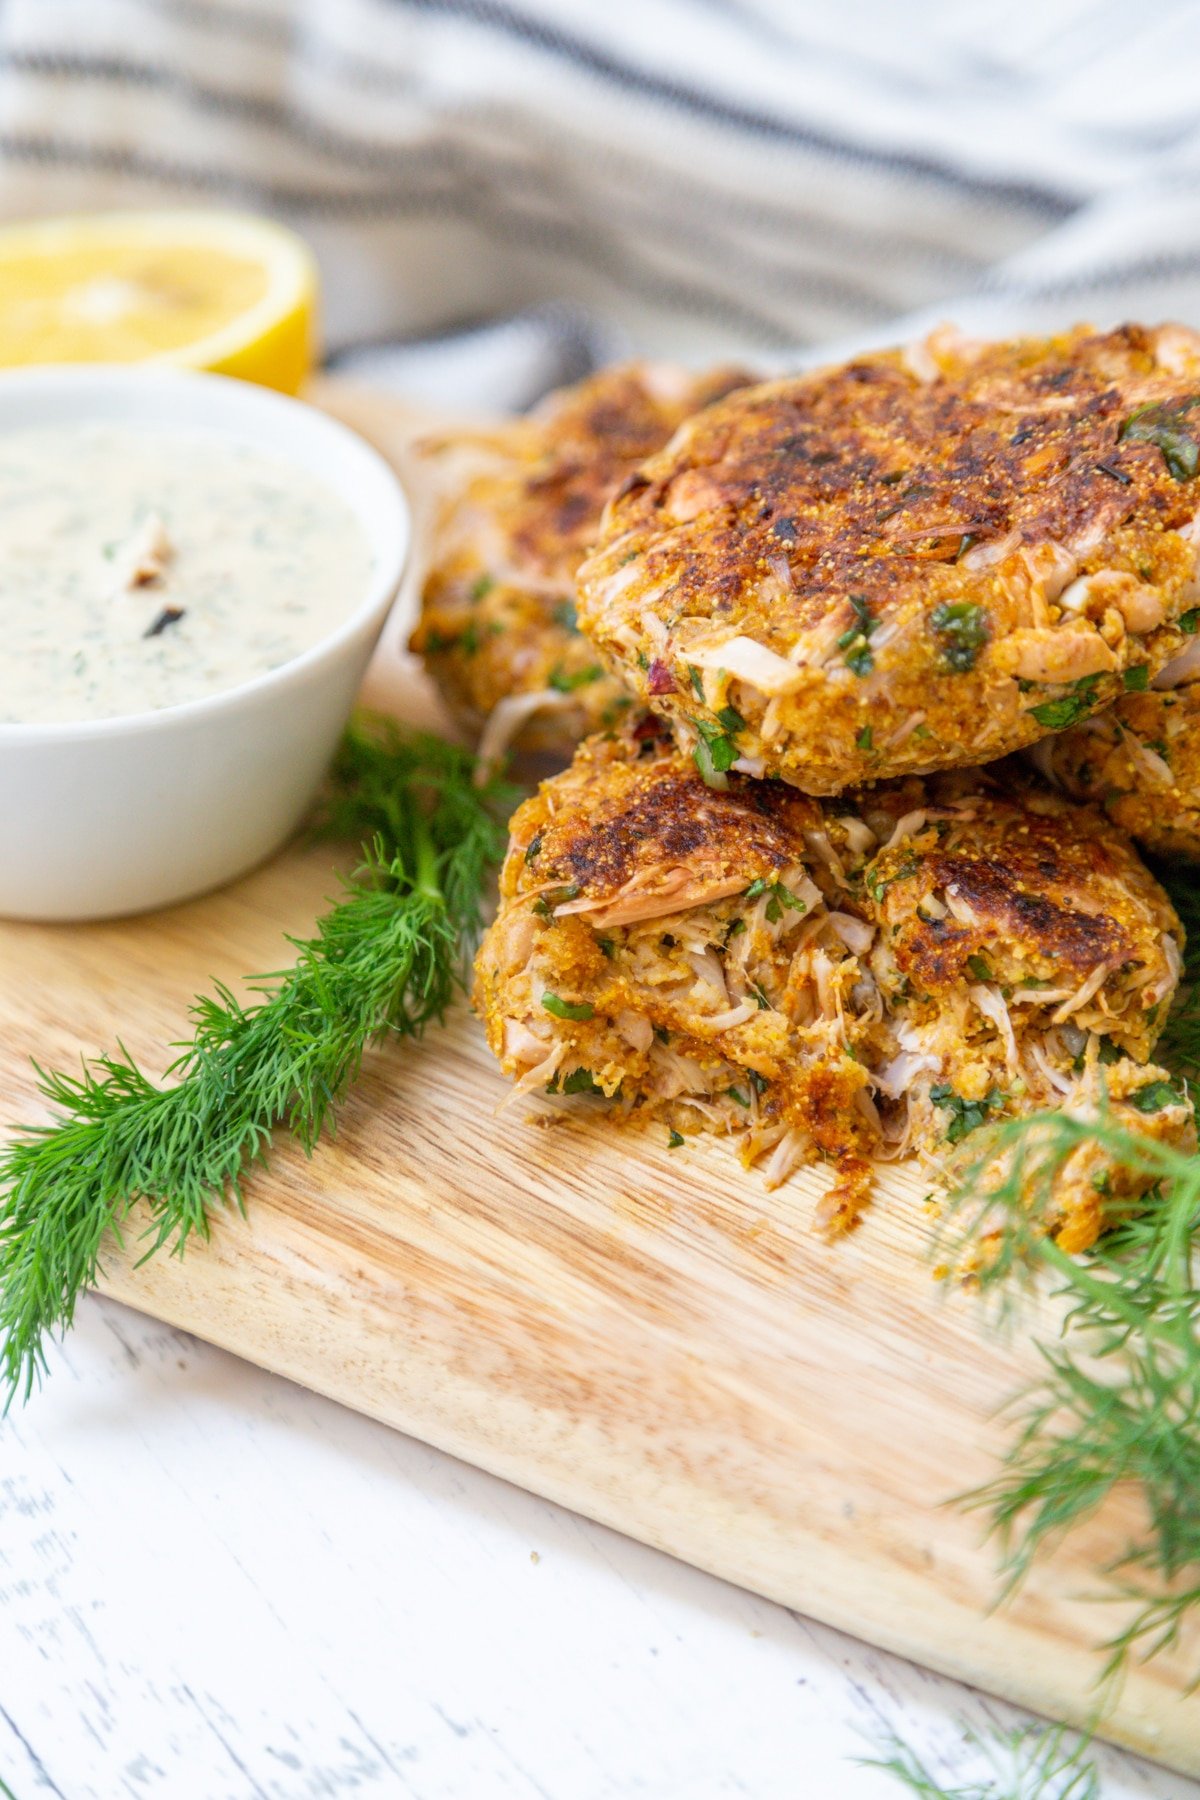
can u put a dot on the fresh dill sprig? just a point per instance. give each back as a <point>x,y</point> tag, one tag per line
<point>1118,1402</point>
<point>386,959</point>
<point>1030,1763</point>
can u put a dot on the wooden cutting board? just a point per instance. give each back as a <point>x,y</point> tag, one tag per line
<point>645,1335</point>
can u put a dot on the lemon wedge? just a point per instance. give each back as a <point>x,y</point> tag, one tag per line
<point>199,290</point>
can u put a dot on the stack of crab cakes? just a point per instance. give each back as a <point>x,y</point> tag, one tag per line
<point>778,896</point>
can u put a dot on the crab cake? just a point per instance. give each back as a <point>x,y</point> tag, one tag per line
<point>1025,958</point>
<point>840,980</point>
<point>1140,760</point>
<point>917,560</point>
<point>518,507</point>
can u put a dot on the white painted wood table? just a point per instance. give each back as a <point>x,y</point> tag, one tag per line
<point>216,1586</point>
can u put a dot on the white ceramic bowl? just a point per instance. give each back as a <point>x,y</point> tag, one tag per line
<point>119,815</point>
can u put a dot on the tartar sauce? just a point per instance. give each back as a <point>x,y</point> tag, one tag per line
<point>142,566</point>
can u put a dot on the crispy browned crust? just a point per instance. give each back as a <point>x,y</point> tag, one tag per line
<point>1026,887</point>
<point>645,814</point>
<point>833,518</point>
<point>631,817</point>
<point>1140,760</point>
<point>1051,879</point>
<point>996,900</point>
<point>1038,926</point>
<point>520,506</point>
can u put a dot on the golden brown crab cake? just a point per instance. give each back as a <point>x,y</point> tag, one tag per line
<point>751,960</point>
<point>516,509</point>
<point>916,560</point>
<point>1026,958</point>
<point>1140,760</point>
<point>671,946</point>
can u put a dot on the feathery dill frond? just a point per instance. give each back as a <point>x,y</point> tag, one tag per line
<point>1031,1763</point>
<point>1118,1402</point>
<point>385,960</point>
<point>1119,1398</point>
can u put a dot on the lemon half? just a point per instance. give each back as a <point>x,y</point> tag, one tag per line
<point>199,290</point>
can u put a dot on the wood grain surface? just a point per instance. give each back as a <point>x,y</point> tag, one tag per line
<point>645,1335</point>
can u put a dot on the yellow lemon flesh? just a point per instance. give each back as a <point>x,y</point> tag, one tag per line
<point>199,290</point>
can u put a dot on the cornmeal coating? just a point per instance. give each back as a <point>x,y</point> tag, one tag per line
<point>842,980</point>
<point>912,561</point>
<point>515,510</point>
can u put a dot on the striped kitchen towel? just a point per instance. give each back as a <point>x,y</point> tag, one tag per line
<point>694,177</point>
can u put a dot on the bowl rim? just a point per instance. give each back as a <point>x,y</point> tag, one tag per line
<point>384,514</point>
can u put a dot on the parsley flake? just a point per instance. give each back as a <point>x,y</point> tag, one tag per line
<point>566,681</point>
<point>1056,715</point>
<point>965,1115</point>
<point>1163,426</point>
<point>961,627</point>
<point>568,1009</point>
<point>579,1081</point>
<point>1154,1096</point>
<point>779,898</point>
<point>719,751</point>
<point>854,641</point>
